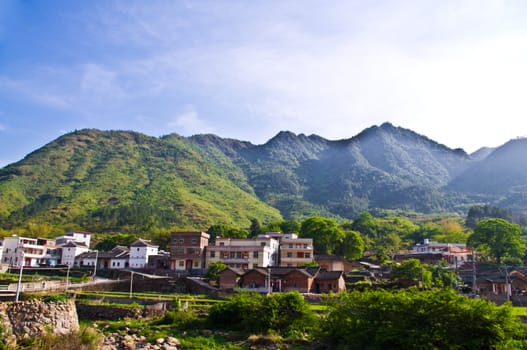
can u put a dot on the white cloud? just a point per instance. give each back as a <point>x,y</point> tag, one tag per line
<point>188,123</point>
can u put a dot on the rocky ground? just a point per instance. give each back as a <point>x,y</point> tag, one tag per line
<point>118,341</point>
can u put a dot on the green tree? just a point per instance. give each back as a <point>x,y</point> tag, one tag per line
<point>412,272</point>
<point>352,247</point>
<point>411,319</point>
<point>110,241</point>
<point>225,231</point>
<point>499,239</point>
<point>327,235</point>
<point>214,270</point>
<point>366,224</point>
<point>256,228</point>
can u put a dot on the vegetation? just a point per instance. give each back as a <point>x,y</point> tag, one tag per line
<point>410,319</point>
<point>117,181</point>
<point>499,240</point>
<point>283,313</point>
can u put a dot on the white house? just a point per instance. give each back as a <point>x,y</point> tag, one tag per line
<point>117,258</point>
<point>453,253</point>
<point>20,251</point>
<point>74,236</point>
<point>70,251</point>
<point>140,250</point>
<point>244,253</point>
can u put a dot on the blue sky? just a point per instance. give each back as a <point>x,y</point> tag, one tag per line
<point>455,71</point>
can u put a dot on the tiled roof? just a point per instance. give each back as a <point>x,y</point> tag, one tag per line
<point>143,243</point>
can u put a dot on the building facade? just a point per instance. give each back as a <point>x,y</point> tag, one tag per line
<point>187,250</point>
<point>140,250</point>
<point>244,253</point>
<point>70,251</point>
<point>296,251</point>
<point>21,251</point>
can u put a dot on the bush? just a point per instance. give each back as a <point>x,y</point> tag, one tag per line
<point>284,313</point>
<point>418,320</point>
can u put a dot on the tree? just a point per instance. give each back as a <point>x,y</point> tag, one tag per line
<point>225,231</point>
<point>353,246</point>
<point>366,224</point>
<point>412,272</point>
<point>111,241</point>
<point>256,228</point>
<point>499,239</point>
<point>215,268</point>
<point>411,319</point>
<point>327,235</point>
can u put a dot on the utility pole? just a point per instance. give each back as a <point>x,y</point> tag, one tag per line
<point>507,283</point>
<point>95,266</point>
<point>20,273</point>
<point>474,272</point>
<point>131,282</point>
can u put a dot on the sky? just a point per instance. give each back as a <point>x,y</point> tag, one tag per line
<point>454,71</point>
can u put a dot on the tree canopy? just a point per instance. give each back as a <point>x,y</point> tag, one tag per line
<point>498,239</point>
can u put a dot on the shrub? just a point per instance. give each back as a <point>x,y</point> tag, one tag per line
<point>285,313</point>
<point>418,320</point>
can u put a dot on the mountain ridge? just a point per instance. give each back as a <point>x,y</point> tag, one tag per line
<point>119,180</point>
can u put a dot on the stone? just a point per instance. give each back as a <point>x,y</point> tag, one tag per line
<point>160,341</point>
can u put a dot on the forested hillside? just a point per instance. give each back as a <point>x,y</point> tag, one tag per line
<point>121,180</point>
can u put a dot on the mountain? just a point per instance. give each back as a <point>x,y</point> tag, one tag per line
<point>120,180</point>
<point>111,180</point>
<point>501,175</point>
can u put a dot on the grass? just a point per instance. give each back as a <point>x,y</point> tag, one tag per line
<point>519,311</point>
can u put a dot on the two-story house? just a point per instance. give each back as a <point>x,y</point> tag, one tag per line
<point>21,251</point>
<point>187,250</point>
<point>244,253</point>
<point>140,250</point>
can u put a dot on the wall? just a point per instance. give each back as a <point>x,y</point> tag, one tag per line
<point>32,318</point>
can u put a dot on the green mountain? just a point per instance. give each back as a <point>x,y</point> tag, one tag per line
<point>110,180</point>
<point>119,180</point>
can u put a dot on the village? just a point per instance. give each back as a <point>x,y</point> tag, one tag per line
<point>270,262</point>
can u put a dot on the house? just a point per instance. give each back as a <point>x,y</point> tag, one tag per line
<point>53,254</point>
<point>329,281</point>
<point>453,253</point>
<point>187,250</point>
<point>230,278</point>
<point>296,251</point>
<point>117,258</point>
<point>244,253</point>
<point>159,261</point>
<point>140,250</point>
<point>75,236</point>
<point>24,251</point>
<point>300,280</point>
<point>70,251</point>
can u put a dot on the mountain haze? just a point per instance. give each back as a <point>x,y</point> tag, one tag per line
<point>119,180</point>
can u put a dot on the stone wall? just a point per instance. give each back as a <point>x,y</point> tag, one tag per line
<point>32,318</point>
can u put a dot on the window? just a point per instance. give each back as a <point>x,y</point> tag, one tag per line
<point>255,266</point>
<point>307,255</point>
<point>290,245</point>
<point>174,240</point>
<point>262,244</point>
<point>181,240</point>
<point>222,244</point>
<point>232,255</point>
<point>181,263</point>
<point>238,255</point>
<point>212,254</point>
<point>194,241</point>
<point>196,264</point>
<point>289,255</point>
<point>255,255</point>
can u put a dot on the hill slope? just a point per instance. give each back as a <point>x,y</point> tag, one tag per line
<point>118,180</point>
<point>110,180</point>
